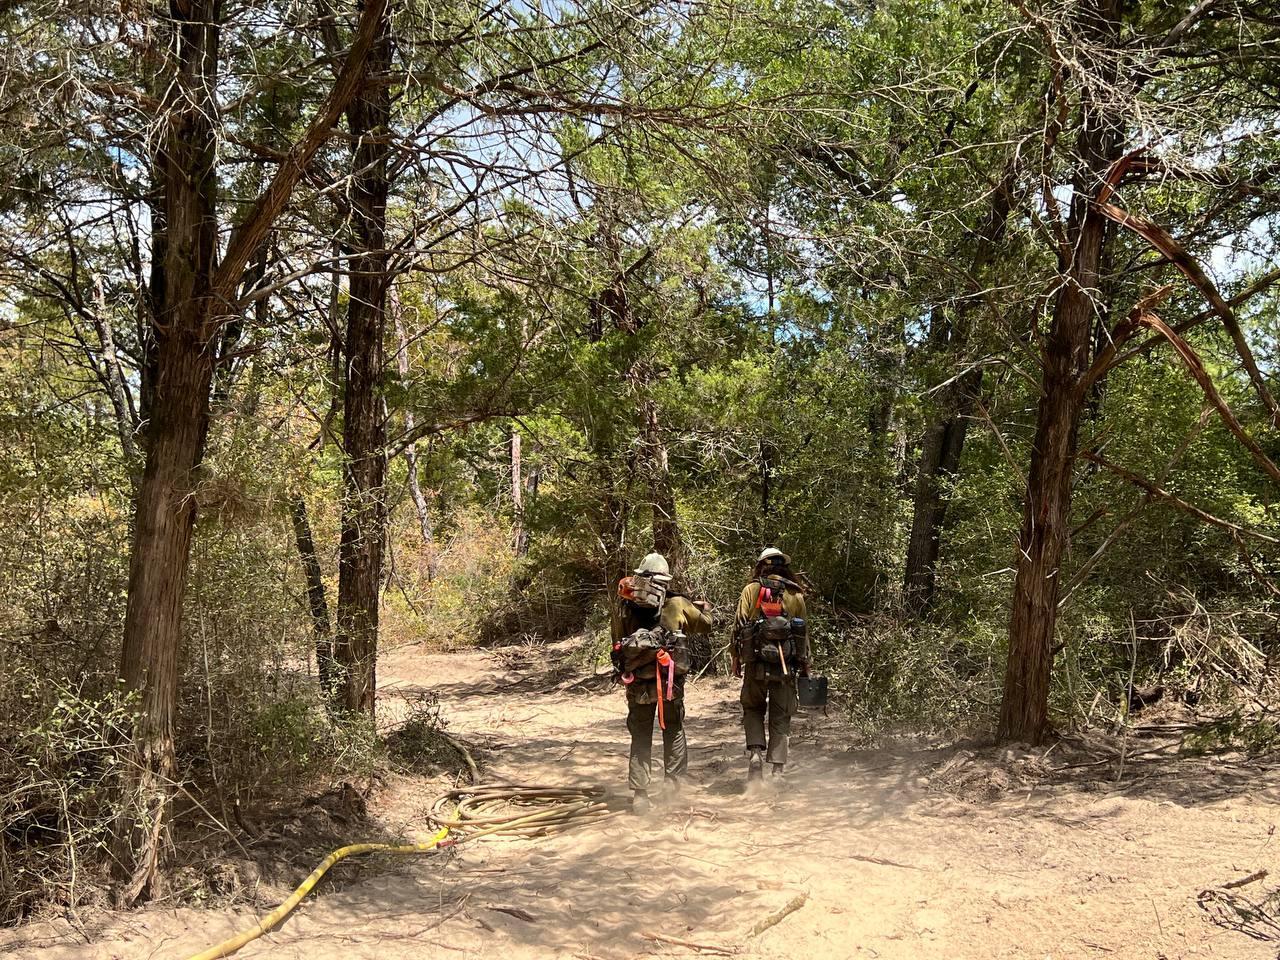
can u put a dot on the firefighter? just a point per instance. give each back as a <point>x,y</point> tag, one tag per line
<point>651,659</point>
<point>770,649</point>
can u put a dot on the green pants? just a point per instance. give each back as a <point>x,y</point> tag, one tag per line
<point>776,696</point>
<point>675,749</point>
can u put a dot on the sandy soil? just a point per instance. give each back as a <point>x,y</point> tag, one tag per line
<point>908,851</point>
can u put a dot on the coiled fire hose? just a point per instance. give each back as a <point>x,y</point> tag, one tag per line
<point>508,810</point>
<point>482,811</point>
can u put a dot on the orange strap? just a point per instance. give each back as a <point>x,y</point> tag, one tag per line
<point>663,658</point>
<point>770,607</point>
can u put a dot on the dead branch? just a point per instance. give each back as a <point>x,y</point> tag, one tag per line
<point>1201,375</point>
<point>1175,253</point>
<point>1159,492</point>
<point>1260,285</point>
<point>703,947</point>
<point>1245,881</point>
<point>794,904</point>
<point>1122,333</point>
<point>461,747</point>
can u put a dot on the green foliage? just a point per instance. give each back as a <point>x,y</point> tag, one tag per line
<point>419,742</point>
<point>61,753</point>
<point>1249,734</point>
<point>895,677</point>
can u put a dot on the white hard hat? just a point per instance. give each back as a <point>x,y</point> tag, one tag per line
<point>770,553</point>
<point>655,565</point>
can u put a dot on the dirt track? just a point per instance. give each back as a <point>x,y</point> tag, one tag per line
<point>889,865</point>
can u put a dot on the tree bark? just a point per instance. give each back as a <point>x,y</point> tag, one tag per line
<point>317,601</point>
<point>191,294</point>
<point>945,433</point>
<point>364,431</point>
<point>1024,709</point>
<point>165,510</point>
<point>411,453</point>
<point>938,466</point>
<point>666,527</point>
<point>517,496</point>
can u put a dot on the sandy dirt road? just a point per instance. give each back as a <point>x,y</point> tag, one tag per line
<point>888,864</point>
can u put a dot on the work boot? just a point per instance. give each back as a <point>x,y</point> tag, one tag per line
<point>755,766</point>
<point>640,805</point>
<point>778,769</point>
<point>670,790</point>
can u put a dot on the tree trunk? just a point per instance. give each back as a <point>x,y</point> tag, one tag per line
<point>317,601</point>
<point>939,464</point>
<point>117,389</point>
<point>1024,710</point>
<point>191,294</point>
<point>518,542</point>
<point>937,468</point>
<point>946,431</point>
<point>364,441</point>
<point>613,540</point>
<point>411,452</point>
<point>165,508</point>
<point>666,527</point>
<point>531,480</point>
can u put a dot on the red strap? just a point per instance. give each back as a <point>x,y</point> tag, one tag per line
<point>770,607</point>
<point>662,719</point>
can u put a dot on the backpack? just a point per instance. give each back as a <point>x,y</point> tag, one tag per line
<point>646,592</point>
<point>639,651</point>
<point>771,637</point>
<point>636,655</point>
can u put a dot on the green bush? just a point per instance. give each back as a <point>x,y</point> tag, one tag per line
<point>59,759</point>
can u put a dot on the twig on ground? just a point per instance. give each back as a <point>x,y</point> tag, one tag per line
<point>878,861</point>
<point>481,921</point>
<point>1245,881</point>
<point>516,912</point>
<point>703,947</point>
<point>1112,759</point>
<point>586,681</point>
<point>466,755</point>
<point>794,904</point>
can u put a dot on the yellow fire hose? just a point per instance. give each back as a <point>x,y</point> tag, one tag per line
<point>479,811</point>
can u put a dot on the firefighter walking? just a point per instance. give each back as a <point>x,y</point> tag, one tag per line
<point>770,650</point>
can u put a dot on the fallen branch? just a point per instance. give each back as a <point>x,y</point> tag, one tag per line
<point>458,745</point>
<point>1233,912</point>
<point>794,904</point>
<point>703,947</point>
<point>1245,881</point>
<point>516,912</point>
<point>878,861</point>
